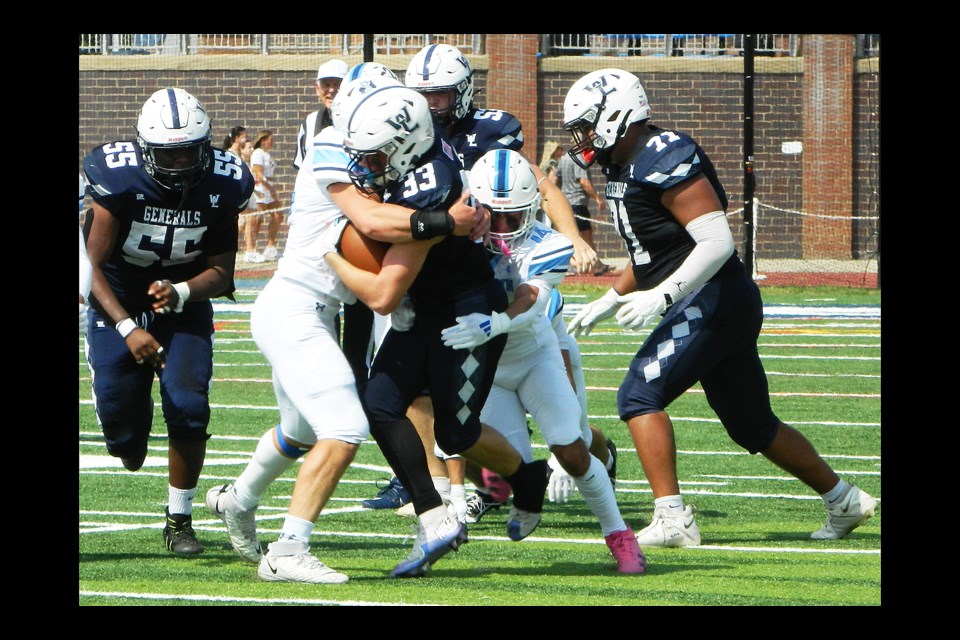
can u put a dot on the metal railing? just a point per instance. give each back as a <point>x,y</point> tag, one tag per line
<point>563,44</point>
<point>273,43</point>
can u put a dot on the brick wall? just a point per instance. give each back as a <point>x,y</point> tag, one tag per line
<point>702,97</point>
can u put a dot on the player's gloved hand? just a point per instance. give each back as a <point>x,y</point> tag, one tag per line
<point>83,319</point>
<point>330,240</point>
<point>640,308</point>
<point>561,485</point>
<point>475,329</point>
<point>401,319</point>
<point>591,314</point>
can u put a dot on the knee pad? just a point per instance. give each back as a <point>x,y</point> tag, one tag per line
<point>289,450</point>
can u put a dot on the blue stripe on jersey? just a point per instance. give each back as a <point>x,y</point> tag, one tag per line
<point>555,306</point>
<point>553,262</point>
<point>355,72</point>
<point>501,173</point>
<point>173,108</point>
<point>426,62</point>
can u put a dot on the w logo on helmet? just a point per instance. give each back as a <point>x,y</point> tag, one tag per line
<point>402,121</point>
<point>600,86</point>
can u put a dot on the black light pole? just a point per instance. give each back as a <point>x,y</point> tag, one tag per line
<point>749,182</point>
<point>368,47</point>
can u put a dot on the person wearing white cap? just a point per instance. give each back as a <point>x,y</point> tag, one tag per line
<point>327,84</point>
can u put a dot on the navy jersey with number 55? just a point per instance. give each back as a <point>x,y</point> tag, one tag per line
<point>483,130</point>
<point>160,237</point>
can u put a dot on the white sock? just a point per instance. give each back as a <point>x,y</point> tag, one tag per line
<point>441,484</point>
<point>458,491</point>
<point>296,529</point>
<point>430,519</point>
<point>673,503</point>
<point>266,465</point>
<point>288,547</point>
<point>180,500</point>
<point>597,491</point>
<point>830,497</point>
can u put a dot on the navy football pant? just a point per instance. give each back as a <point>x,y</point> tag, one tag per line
<point>710,337</point>
<point>122,389</point>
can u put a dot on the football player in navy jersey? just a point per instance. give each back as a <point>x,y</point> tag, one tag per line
<point>162,244</point>
<point>397,153</point>
<point>445,78</point>
<point>669,208</point>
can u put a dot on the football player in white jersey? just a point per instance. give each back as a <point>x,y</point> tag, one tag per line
<point>531,260</point>
<point>86,269</point>
<point>320,412</point>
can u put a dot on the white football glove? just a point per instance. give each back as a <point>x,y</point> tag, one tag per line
<point>561,484</point>
<point>330,240</point>
<point>401,319</point>
<point>83,319</point>
<point>598,310</point>
<point>640,308</point>
<point>475,329</point>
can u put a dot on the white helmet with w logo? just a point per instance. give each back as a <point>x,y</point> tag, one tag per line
<point>393,121</point>
<point>598,109</point>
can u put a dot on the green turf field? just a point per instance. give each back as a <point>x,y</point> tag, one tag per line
<point>823,363</point>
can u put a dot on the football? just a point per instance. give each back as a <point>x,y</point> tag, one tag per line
<point>360,251</point>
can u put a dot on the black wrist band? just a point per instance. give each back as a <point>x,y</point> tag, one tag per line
<point>430,224</point>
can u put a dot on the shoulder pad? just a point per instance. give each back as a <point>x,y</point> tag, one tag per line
<point>667,159</point>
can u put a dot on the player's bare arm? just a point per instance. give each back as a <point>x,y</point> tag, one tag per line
<point>560,212</point>
<point>391,223</point>
<point>383,291</point>
<point>103,235</point>
<point>170,296</point>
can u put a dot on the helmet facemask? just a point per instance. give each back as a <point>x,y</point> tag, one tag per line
<point>509,226</point>
<point>370,171</point>
<point>173,132</point>
<point>176,166</point>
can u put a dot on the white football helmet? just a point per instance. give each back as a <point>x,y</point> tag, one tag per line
<point>393,121</point>
<point>598,109</point>
<point>503,181</point>
<point>173,131</point>
<point>441,67</point>
<point>359,81</point>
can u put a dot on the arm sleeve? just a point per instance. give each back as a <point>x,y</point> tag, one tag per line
<point>714,247</point>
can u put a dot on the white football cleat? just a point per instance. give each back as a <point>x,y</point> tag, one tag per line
<point>241,525</point>
<point>670,530</point>
<point>289,561</point>
<point>851,511</point>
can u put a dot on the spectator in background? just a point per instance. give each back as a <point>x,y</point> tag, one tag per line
<point>575,184</point>
<point>329,76</point>
<point>268,203</point>
<point>551,158</point>
<point>235,143</point>
<point>235,140</point>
